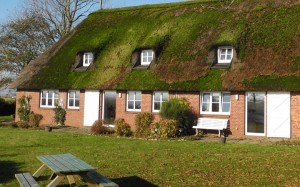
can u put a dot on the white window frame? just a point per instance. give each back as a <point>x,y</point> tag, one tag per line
<point>134,101</point>
<point>54,98</point>
<point>146,54</point>
<point>74,99</point>
<point>160,99</point>
<point>226,48</point>
<point>221,102</point>
<point>87,59</point>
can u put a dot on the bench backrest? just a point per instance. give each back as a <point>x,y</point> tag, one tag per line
<point>212,123</point>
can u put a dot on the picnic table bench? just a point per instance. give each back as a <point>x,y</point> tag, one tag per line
<point>211,124</point>
<point>26,180</point>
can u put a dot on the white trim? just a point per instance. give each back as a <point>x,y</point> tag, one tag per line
<point>147,56</point>
<point>56,92</point>
<point>246,115</point>
<point>87,57</point>
<point>160,99</point>
<point>134,101</point>
<point>210,103</point>
<point>226,54</point>
<point>73,107</point>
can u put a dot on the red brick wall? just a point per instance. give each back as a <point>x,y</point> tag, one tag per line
<point>237,114</point>
<point>295,114</point>
<point>74,117</point>
<point>192,97</point>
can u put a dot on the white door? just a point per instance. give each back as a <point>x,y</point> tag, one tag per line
<point>91,107</point>
<point>278,114</point>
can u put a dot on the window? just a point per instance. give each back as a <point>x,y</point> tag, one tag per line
<point>73,99</point>
<point>87,59</point>
<point>215,103</point>
<point>49,98</point>
<point>134,99</point>
<point>158,99</point>
<point>225,54</point>
<point>146,57</point>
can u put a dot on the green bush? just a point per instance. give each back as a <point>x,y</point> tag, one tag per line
<point>142,123</point>
<point>24,109</point>
<point>34,119</point>
<point>179,110</point>
<point>167,128</point>
<point>22,124</point>
<point>59,115</point>
<point>122,128</point>
<point>98,128</point>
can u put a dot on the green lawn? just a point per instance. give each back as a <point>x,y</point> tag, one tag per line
<point>136,162</point>
<point>6,118</point>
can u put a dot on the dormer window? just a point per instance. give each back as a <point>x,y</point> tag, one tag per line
<point>225,54</point>
<point>146,57</point>
<point>87,59</point>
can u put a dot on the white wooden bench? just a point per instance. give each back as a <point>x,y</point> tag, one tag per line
<point>26,180</point>
<point>96,179</point>
<point>211,124</point>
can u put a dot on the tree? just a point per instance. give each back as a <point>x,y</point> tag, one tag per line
<point>21,41</point>
<point>62,15</point>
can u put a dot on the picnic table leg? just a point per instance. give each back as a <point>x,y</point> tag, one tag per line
<point>56,181</point>
<point>39,171</point>
<point>71,180</point>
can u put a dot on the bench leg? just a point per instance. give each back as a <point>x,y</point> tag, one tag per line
<point>56,181</point>
<point>219,133</point>
<point>39,171</point>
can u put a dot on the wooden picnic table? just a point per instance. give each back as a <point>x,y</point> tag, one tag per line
<point>63,165</point>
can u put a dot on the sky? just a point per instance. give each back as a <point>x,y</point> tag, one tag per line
<point>10,8</point>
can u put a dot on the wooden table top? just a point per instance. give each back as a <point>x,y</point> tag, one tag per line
<point>65,164</point>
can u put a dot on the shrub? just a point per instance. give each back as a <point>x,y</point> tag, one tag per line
<point>142,123</point>
<point>179,110</point>
<point>167,128</point>
<point>34,119</point>
<point>22,124</point>
<point>122,128</point>
<point>59,115</point>
<point>98,128</point>
<point>24,109</point>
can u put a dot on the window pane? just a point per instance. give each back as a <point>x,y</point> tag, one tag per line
<point>137,105</point>
<point>77,94</point>
<point>165,96</point>
<point>49,102</point>
<point>77,102</point>
<point>138,96</point>
<point>222,57</point>
<point>156,106</point>
<point>130,104</point>
<point>223,51</point>
<point>71,102</point>
<point>215,98</point>
<point>205,107</point>
<point>145,59</point>
<point>157,96</point>
<point>226,107</point>
<point>228,57</point>
<point>206,97</point>
<point>130,96</point>
<point>226,98</point>
<point>43,101</point>
<point>215,107</point>
<point>71,94</point>
<point>229,51</point>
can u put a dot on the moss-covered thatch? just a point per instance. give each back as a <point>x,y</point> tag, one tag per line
<point>265,34</point>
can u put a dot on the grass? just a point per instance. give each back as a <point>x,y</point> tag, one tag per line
<point>6,118</point>
<point>137,162</point>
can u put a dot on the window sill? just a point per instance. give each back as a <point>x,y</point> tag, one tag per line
<point>216,113</point>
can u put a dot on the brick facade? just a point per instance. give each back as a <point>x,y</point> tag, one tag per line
<point>236,118</point>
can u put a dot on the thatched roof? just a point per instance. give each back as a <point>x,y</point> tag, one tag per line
<point>264,33</point>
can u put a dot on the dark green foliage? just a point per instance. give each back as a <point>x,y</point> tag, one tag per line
<point>179,110</point>
<point>34,119</point>
<point>22,124</point>
<point>24,109</point>
<point>59,115</point>
<point>122,128</point>
<point>142,123</point>
<point>7,107</point>
<point>99,128</point>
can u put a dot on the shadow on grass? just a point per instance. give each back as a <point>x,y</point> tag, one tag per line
<point>133,181</point>
<point>8,169</point>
